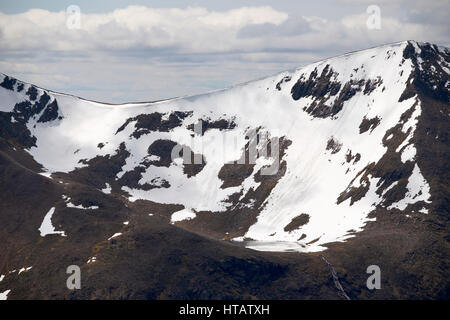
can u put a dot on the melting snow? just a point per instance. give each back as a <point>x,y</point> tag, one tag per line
<point>409,152</point>
<point>46,227</point>
<point>46,174</point>
<point>4,295</point>
<point>107,190</point>
<point>24,269</point>
<point>185,214</point>
<point>418,190</point>
<point>115,235</point>
<point>92,260</point>
<point>389,188</point>
<point>71,205</point>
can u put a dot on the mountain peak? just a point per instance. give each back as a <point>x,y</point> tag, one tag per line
<point>346,153</point>
<point>347,99</point>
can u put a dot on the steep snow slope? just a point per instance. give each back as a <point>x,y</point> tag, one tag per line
<point>336,118</point>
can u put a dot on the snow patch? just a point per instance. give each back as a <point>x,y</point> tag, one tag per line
<point>184,214</point>
<point>115,235</point>
<point>46,174</point>
<point>91,260</point>
<point>71,205</point>
<point>4,295</point>
<point>108,189</point>
<point>46,227</point>
<point>25,269</point>
<point>418,190</point>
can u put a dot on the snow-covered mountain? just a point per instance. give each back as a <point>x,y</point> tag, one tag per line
<point>346,138</point>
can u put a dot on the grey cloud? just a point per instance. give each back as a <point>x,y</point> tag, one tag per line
<point>194,50</point>
<point>431,13</point>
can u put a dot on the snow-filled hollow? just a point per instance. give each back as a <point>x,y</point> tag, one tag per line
<point>314,178</point>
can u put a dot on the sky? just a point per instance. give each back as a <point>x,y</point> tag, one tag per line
<point>121,51</point>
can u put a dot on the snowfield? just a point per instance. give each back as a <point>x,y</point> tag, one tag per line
<point>315,176</point>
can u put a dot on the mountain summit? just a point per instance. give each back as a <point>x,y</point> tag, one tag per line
<point>345,158</point>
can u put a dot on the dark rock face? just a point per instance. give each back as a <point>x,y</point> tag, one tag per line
<point>324,86</point>
<point>297,222</point>
<point>15,132</point>
<point>431,136</point>
<point>8,83</point>
<point>15,122</point>
<point>32,93</point>
<point>100,170</point>
<point>371,85</point>
<point>164,148</point>
<point>234,174</point>
<point>316,86</point>
<point>207,124</point>
<point>25,110</point>
<point>192,169</point>
<point>368,124</point>
<point>104,169</point>
<point>428,77</point>
<point>333,145</point>
<point>50,113</point>
<point>146,123</point>
<point>284,80</point>
<point>131,180</point>
<point>349,157</point>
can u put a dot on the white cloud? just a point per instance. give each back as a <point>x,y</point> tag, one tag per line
<point>141,53</point>
<point>192,29</point>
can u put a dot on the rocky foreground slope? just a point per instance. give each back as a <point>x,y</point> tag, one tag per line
<point>343,161</point>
